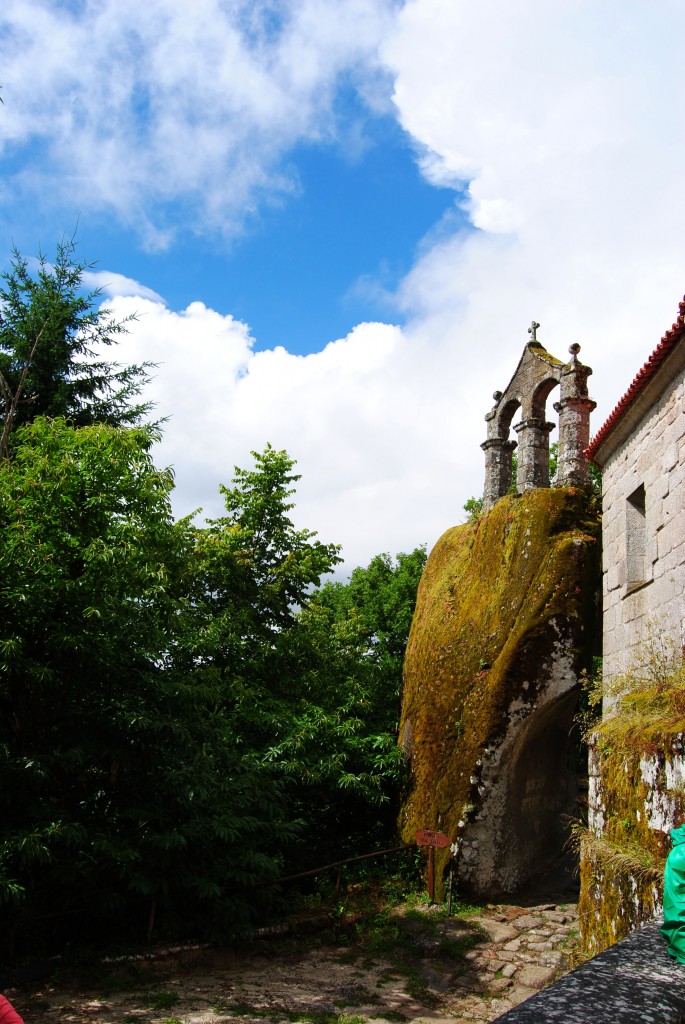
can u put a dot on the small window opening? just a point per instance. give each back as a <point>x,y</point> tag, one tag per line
<point>636,538</point>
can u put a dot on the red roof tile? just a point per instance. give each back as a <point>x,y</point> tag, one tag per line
<point>665,346</point>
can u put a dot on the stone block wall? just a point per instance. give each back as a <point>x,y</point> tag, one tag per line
<point>637,764</point>
<point>635,798</point>
<point>652,458</point>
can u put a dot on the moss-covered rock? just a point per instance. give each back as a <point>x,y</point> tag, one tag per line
<point>504,623</point>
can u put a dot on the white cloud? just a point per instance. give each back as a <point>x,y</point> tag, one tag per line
<point>139,107</point>
<point>564,120</point>
<point>108,283</point>
<point>331,410</point>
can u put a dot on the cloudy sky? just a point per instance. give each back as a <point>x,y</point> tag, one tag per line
<point>336,219</point>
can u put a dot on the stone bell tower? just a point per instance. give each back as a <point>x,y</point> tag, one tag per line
<point>537,374</point>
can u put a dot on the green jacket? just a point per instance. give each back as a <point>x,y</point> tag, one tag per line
<point>673,928</point>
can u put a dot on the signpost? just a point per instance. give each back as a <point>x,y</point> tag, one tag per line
<point>427,837</point>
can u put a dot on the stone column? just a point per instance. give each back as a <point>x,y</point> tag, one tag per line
<point>533,461</point>
<point>574,438</point>
<point>498,450</point>
<point>574,408</point>
<point>498,463</point>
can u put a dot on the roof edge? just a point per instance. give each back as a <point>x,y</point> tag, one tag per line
<point>640,381</point>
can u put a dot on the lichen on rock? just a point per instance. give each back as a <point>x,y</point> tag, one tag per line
<point>504,623</point>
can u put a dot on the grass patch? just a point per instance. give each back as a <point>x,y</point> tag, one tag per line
<point>163,1000</point>
<point>629,857</point>
<point>417,988</point>
<point>405,939</point>
<point>454,949</point>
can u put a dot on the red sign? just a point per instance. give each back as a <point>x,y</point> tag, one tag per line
<point>427,837</point>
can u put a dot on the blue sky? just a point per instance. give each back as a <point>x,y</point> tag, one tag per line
<point>335,220</point>
<point>302,270</point>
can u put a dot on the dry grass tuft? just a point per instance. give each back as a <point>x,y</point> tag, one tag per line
<point>623,858</point>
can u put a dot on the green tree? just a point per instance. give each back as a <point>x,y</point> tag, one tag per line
<point>364,627</point>
<point>181,716</point>
<point>51,342</point>
<point>381,597</point>
<point>245,630</point>
<point>125,781</point>
<point>312,684</point>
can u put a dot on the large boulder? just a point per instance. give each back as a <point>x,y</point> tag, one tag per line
<point>505,622</point>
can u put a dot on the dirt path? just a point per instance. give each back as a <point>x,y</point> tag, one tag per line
<point>412,965</point>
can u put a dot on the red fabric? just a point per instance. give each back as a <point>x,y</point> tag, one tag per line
<point>8,1015</point>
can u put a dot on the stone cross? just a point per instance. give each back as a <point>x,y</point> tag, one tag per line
<point>532,330</point>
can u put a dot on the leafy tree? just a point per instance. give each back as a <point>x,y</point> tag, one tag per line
<point>312,678</point>
<point>51,339</point>
<point>247,632</point>
<point>381,597</point>
<point>474,509</point>
<point>123,779</point>
<point>364,626</point>
<point>181,716</point>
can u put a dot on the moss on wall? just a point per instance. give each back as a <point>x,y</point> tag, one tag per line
<point>495,598</point>
<point>637,795</point>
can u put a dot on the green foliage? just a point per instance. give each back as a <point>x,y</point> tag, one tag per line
<point>359,631</point>
<point>125,775</point>
<point>379,600</point>
<point>474,509</point>
<point>249,634</point>
<point>51,340</point>
<point>163,1000</point>
<point>180,715</point>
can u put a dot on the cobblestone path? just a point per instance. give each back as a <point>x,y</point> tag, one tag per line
<point>460,970</point>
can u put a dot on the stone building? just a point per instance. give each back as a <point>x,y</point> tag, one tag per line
<point>641,451</point>
<point>637,762</point>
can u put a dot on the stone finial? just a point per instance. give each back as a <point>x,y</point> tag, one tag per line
<point>532,330</point>
<point>574,349</point>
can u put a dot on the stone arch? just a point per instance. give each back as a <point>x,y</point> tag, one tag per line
<point>499,449</point>
<point>536,375</point>
<point>527,781</point>
<point>542,791</point>
<point>540,395</point>
<point>506,415</point>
